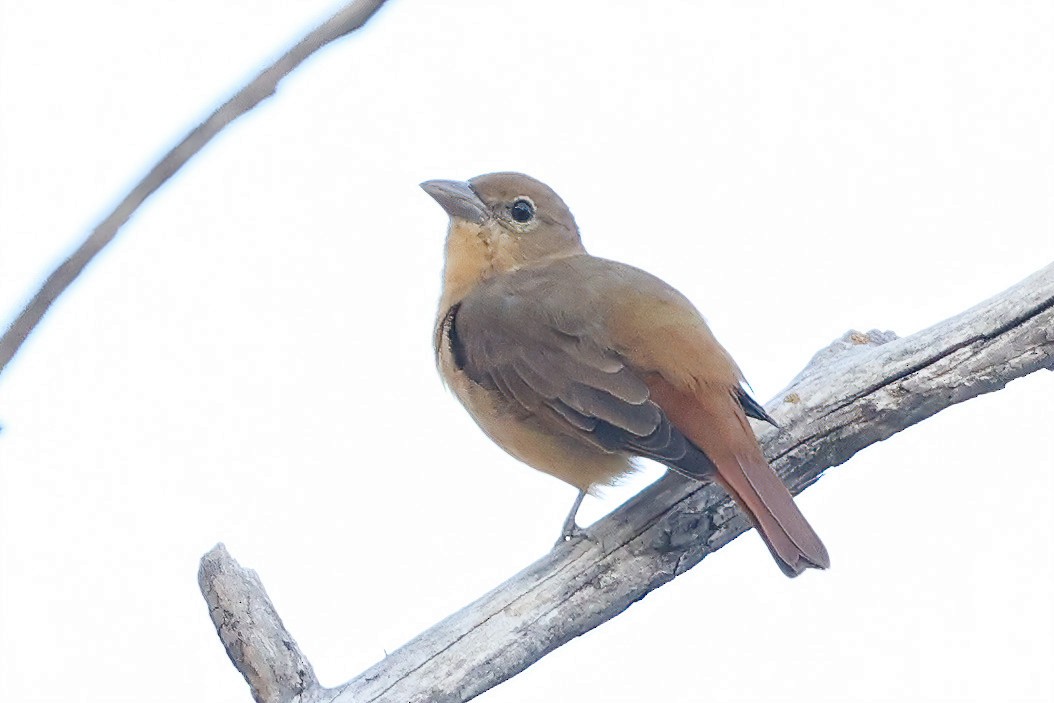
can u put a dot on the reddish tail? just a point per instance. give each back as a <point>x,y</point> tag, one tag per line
<point>714,422</point>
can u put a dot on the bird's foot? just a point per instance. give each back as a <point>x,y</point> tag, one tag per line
<point>571,533</point>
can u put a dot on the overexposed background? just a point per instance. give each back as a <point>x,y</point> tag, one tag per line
<point>250,362</point>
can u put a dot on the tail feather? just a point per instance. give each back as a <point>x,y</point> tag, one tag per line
<point>790,538</point>
<point>713,420</point>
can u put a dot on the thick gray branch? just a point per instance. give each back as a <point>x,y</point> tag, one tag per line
<point>251,631</point>
<point>347,20</point>
<point>860,390</point>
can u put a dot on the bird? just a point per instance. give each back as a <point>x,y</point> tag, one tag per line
<point>578,366</point>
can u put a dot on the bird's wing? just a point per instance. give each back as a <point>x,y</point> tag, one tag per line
<point>752,408</point>
<point>536,338</point>
<point>698,386</point>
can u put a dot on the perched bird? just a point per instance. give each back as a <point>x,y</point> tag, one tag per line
<point>575,364</point>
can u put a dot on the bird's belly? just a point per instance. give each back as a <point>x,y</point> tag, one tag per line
<point>540,446</point>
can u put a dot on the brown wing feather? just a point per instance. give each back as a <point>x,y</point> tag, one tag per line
<point>555,367</point>
<point>713,420</point>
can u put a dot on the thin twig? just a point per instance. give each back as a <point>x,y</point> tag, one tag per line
<point>347,20</point>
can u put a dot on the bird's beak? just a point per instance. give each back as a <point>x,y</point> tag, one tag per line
<point>458,199</point>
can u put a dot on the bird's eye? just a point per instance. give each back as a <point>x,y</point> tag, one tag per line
<point>522,210</point>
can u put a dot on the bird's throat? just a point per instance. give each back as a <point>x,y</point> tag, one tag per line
<point>474,253</point>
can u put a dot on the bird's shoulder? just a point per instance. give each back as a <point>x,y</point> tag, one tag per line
<point>581,287</point>
<point>602,304</point>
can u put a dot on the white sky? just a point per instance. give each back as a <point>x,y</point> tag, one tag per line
<point>250,362</point>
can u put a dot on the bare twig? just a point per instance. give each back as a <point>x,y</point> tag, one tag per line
<point>347,20</point>
<point>858,391</point>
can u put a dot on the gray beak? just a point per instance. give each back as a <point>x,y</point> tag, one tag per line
<point>458,199</point>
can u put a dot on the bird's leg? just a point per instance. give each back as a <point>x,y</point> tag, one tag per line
<point>571,528</point>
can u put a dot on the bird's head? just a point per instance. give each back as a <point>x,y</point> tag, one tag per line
<point>500,222</point>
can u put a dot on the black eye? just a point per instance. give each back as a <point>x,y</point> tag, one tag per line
<point>522,210</point>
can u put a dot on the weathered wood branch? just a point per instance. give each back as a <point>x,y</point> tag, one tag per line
<point>251,631</point>
<point>347,20</point>
<point>860,390</point>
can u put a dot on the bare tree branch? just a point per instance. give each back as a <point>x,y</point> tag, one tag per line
<point>347,20</point>
<point>859,390</point>
<point>251,631</point>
